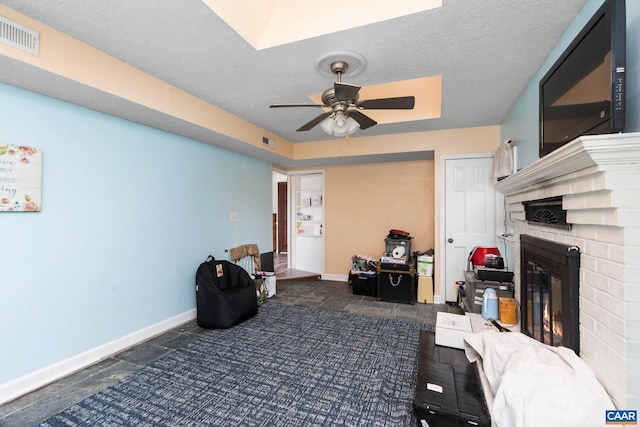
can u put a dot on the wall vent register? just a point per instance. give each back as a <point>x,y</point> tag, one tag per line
<point>18,36</point>
<point>546,212</point>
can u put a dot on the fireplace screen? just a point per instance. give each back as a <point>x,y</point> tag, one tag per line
<point>549,291</point>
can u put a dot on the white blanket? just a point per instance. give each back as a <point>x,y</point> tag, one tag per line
<point>536,384</point>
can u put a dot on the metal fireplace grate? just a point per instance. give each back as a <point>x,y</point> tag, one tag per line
<point>549,288</point>
<point>546,212</point>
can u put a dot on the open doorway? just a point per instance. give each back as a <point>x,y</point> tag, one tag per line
<point>280,219</point>
<point>284,232</point>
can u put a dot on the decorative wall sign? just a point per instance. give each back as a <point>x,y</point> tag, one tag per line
<point>20,178</point>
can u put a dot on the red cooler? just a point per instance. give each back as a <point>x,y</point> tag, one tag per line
<point>479,253</point>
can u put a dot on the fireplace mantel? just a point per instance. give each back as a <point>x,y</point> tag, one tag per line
<point>579,154</point>
<point>598,180</point>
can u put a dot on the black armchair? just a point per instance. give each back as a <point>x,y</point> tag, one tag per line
<point>225,294</point>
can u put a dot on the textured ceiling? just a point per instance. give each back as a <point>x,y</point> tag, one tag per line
<point>485,50</point>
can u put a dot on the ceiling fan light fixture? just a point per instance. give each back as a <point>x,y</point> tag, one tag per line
<point>352,125</point>
<point>338,102</point>
<point>327,125</point>
<point>339,125</point>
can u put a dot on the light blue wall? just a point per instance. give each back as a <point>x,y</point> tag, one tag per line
<point>521,123</point>
<point>128,214</point>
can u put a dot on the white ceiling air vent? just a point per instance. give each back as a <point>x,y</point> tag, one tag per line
<point>20,37</point>
<point>268,142</point>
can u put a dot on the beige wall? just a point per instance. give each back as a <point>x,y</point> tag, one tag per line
<point>363,202</point>
<point>342,207</point>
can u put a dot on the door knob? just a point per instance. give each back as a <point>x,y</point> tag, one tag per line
<point>450,240</point>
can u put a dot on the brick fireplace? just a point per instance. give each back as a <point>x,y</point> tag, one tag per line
<point>597,179</point>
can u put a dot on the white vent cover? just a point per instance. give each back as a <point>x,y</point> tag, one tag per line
<point>268,142</point>
<point>18,36</point>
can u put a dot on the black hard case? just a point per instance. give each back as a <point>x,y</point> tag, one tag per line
<point>364,284</point>
<point>397,283</point>
<point>493,274</point>
<point>397,266</point>
<point>461,402</point>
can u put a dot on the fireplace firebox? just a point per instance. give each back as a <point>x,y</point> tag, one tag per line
<point>549,286</point>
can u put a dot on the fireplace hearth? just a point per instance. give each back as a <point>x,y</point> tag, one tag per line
<point>549,288</point>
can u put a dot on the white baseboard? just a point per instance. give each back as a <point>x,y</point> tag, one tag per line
<point>336,277</point>
<point>437,299</point>
<point>13,389</point>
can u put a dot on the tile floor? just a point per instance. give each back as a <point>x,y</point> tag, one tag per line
<point>39,405</point>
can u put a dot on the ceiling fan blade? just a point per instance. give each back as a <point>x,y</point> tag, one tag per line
<point>295,105</point>
<point>314,122</point>
<point>364,121</point>
<point>399,103</point>
<point>345,91</point>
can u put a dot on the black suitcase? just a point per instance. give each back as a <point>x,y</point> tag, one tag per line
<point>448,393</point>
<point>397,285</point>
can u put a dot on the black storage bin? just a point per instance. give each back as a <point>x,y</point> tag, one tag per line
<point>364,283</point>
<point>397,285</point>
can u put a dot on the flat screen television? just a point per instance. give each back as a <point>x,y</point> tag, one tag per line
<point>583,92</point>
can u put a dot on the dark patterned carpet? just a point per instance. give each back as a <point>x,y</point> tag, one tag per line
<point>288,366</point>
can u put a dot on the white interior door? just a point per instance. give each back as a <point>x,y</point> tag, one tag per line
<point>469,217</point>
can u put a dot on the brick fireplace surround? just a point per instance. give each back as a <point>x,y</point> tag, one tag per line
<point>598,178</point>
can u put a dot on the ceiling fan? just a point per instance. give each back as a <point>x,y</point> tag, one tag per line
<point>342,98</point>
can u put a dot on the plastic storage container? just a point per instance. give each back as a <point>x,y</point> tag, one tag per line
<point>474,291</point>
<point>398,248</point>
